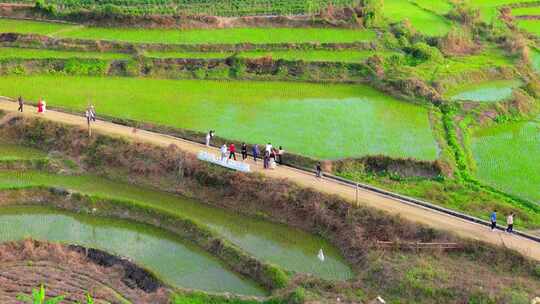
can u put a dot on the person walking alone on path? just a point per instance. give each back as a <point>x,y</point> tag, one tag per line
<point>510,223</point>
<point>256,152</point>
<point>21,104</point>
<point>493,219</point>
<point>223,150</point>
<point>319,170</point>
<point>232,152</point>
<point>244,151</point>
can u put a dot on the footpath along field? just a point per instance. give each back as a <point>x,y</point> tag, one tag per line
<point>325,121</point>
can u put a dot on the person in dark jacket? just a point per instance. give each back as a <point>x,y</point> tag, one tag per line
<point>21,104</point>
<point>256,152</point>
<point>244,151</point>
<point>319,170</point>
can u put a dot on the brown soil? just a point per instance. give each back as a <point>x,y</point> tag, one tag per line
<point>65,271</point>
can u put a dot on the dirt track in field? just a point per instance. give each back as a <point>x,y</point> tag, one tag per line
<point>408,211</point>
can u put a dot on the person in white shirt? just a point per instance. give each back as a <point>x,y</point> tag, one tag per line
<point>510,223</point>
<point>268,148</point>
<point>208,137</point>
<point>224,152</point>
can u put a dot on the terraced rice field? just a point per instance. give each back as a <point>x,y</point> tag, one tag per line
<point>325,121</point>
<point>535,60</point>
<point>424,21</point>
<point>177,262</point>
<point>508,157</point>
<point>492,91</point>
<point>520,11</point>
<point>198,36</point>
<point>351,56</point>
<point>287,247</point>
<point>489,8</point>
<point>440,7</point>
<point>455,66</point>
<point>7,53</point>
<point>531,26</point>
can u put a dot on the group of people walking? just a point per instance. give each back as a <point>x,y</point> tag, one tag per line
<point>509,221</point>
<point>270,155</point>
<point>41,105</point>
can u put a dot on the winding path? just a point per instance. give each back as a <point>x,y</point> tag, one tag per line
<point>372,199</point>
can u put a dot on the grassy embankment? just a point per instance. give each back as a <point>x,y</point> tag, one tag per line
<point>349,56</point>
<point>308,119</point>
<point>23,53</point>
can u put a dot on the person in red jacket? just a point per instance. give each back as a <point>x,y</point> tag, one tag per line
<point>232,152</point>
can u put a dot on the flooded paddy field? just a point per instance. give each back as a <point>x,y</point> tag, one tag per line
<point>325,121</point>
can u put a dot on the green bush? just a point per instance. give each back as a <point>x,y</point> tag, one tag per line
<point>86,67</point>
<point>423,52</point>
<point>199,73</point>
<point>298,296</point>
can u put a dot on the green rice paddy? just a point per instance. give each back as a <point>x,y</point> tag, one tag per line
<point>534,10</point>
<point>489,8</point>
<point>352,56</point>
<point>531,26</point>
<point>491,91</point>
<point>453,66</point>
<point>422,20</point>
<point>196,36</point>
<point>508,157</point>
<point>287,247</point>
<point>325,121</point>
<point>440,7</point>
<point>535,58</point>
<point>22,53</point>
<point>173,260</point>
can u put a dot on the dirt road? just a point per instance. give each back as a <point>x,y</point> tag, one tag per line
<point>411,212</point>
